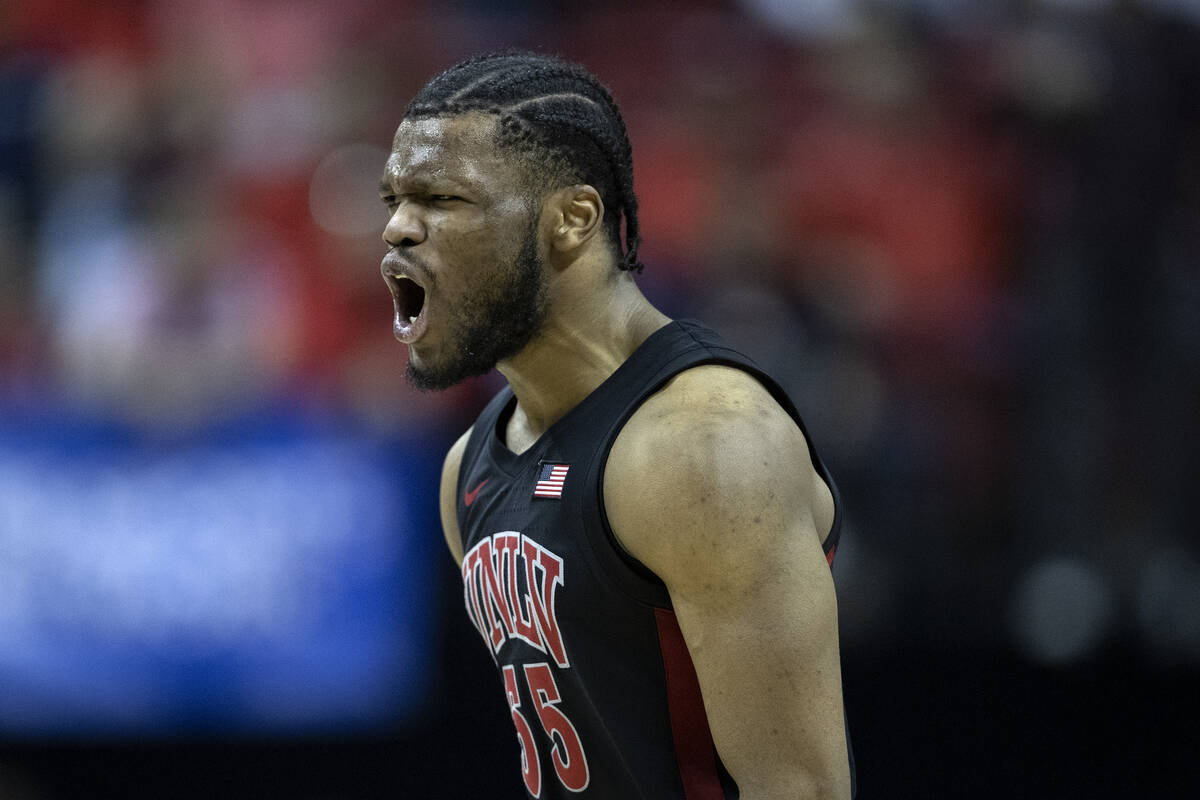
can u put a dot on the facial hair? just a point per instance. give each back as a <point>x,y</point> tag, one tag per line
<point>494,323</point>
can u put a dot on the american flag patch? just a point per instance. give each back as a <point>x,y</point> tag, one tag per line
<point>550,481</point>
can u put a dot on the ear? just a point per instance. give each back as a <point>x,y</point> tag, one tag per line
<point>577,213</point>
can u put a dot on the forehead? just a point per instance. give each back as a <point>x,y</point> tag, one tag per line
<point>462,147</point>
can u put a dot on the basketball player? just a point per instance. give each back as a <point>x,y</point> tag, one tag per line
<point>643,530</point>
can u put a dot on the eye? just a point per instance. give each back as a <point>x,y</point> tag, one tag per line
<point>444,198</point>
<point>389,200</point>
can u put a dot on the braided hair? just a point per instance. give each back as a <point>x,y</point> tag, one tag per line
<point>557,117</point>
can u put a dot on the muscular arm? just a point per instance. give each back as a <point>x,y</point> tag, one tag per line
<point>448,497</point>
<point>711,486</point>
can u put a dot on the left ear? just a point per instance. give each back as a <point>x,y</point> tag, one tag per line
<point>577,213</point>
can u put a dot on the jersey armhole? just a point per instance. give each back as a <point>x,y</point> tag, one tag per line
<point>622,567</point>
<point>483,427</point>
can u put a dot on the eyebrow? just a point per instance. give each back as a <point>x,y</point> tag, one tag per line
<point>420,180</point>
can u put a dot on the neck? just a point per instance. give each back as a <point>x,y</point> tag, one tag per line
<point>580,345</point>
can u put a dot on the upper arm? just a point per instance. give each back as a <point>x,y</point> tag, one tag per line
<point>711,486</point>
<point>448,497</point>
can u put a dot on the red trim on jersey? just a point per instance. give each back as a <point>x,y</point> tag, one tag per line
<point>694,750</point>
<point>829,555</point>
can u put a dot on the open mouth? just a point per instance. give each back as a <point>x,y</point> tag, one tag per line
<point>408,297</point>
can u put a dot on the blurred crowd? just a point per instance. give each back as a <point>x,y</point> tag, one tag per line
<point>966,236</point>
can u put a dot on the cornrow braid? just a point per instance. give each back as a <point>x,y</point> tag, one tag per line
<point>556,113</point>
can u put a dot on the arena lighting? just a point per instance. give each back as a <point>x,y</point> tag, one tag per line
<point>342,195</point>
<point>1168,605</point>
<point>1062,610</point>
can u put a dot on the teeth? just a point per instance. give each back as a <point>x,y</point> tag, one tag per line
<point>412,319</point>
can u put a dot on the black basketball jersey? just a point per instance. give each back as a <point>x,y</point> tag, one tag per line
<point>597,676</point>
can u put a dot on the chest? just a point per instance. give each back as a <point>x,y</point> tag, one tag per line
<point>530,582</point>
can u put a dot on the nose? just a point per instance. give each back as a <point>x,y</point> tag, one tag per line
<point>405,228</point>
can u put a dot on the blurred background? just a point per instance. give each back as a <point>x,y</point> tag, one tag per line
<point>965,235</point>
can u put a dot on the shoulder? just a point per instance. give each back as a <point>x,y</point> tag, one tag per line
<point>448,495</point>
<point>707,417</point>
<point>708,465</point>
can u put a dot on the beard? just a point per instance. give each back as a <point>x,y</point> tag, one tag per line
<point>493,324</point>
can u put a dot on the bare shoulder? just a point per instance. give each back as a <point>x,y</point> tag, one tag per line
<point>710,467</point>
<point>448,495</point>
<point>711,486</point>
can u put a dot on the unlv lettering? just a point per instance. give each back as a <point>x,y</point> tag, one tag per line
<point>510,588</point>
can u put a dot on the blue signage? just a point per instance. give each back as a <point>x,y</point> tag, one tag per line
<point>267,582</point>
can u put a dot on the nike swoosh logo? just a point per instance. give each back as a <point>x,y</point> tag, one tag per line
<point>469,497</point>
